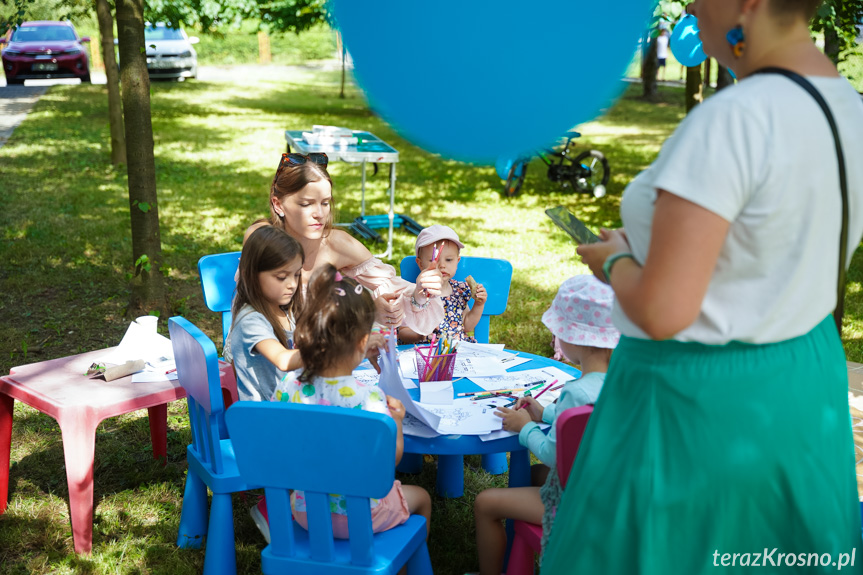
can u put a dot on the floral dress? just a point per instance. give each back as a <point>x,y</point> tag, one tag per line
<point>343,391</point>
<point>454,310</point>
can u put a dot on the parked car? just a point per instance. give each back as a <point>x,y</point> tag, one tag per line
<point>170,53</point>
<point>44,49</point>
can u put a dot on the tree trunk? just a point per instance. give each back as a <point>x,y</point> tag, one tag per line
<point>723,77</point>
<point>344,57</point>
<point>708,70</point>
<point>115,106</point>
<point>147,289</point>
<point>694,89</point>
<point>649,66</point>
<point>831,44</point>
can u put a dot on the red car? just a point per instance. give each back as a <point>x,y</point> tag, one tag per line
<point>44,49</point>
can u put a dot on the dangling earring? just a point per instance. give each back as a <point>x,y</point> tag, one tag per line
<point>737,40</point>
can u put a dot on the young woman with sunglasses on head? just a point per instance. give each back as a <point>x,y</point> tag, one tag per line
<point>722,439</point>
<point>301,203</point>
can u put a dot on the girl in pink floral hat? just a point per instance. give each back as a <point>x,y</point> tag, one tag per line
<point>580,318</point>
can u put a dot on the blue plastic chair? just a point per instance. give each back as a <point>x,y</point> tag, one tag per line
<point>217,273</point>
<point>496,276</point>
<point>321,450</point>
<point>211,459</point>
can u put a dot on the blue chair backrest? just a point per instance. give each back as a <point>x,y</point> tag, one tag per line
<point>217,281</point>
<point>198,373</point>
<point>320,450</point>
<point>494,274</point>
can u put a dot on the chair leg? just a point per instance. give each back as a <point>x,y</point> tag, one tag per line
<point>221,555</point>
<point>494,463</point>
<point>420,562</point>
<point>193,518</point>
<point>520,557</point>
<point>411,463</point>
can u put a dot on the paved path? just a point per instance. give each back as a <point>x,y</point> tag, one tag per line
<point>15,104</point>
<point>17,101</point>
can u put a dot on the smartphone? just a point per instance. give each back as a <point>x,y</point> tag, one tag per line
<point>566,221</point>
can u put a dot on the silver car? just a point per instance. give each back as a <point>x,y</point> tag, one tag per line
<point>170,53</point>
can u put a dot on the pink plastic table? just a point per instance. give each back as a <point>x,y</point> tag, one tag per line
<point>61,389</point>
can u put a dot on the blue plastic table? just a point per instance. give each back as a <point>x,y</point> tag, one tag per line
<point>451,449</point>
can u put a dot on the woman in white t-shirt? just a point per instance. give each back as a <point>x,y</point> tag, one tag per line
<point>722,433</point>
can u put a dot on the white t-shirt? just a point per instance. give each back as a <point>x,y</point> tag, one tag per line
<point>662,47</point>
<point>760,154</point>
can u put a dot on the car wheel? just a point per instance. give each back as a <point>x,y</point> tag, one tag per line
<point>86,79</point>
<point>14,81</point>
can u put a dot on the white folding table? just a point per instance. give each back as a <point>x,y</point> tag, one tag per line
<point>369,148</point>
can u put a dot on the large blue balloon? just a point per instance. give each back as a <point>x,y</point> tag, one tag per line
<point>480,80</point>
<point>685,42</point>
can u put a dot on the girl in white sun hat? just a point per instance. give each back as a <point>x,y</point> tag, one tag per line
<point>580,317</point>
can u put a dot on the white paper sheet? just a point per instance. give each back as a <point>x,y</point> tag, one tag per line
<point>474,366</point>
<point>153,376</point>
<point>513,360</point>
<point>503,433</point>
<point>391,384</point>
<point>436,392</point>
<point>371,377</point>
<point>464,366</point>
<point>465,417</point>
<point>138,343</point>
<point>468,349</point>
<point>512,380</point>
<point>413,426</point>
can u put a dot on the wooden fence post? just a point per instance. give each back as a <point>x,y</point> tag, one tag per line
<point>264,54</point>
<point>96,62</point>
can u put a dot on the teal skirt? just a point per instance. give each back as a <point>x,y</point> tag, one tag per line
<point>696,451</point>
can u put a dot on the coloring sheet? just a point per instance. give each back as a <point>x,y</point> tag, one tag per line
<point>514,380</point>
<point>468,349</point>
<point>465,417</point>
<point>371,377</point>
<point>391,384</point>
<point>464,366</point>
<point>513,360</point>
<point>413,426</point>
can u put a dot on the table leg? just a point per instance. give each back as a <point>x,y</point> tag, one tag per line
<point>392,211</point>
<point>450,475</point>
<point>363,193</point>
<point>7,409</point>
<point>79,441</point>
<point>158,416</point>
<point>519,468</point>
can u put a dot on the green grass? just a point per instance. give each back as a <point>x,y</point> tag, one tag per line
<point>65,253</point>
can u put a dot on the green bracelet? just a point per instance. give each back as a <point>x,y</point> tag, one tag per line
<point>611,260</point>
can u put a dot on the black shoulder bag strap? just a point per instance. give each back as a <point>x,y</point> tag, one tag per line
<point>843,184</point>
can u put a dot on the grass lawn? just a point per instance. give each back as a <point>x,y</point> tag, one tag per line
<point>66,253</point>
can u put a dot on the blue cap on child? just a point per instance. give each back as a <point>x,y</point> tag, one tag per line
<point>581,313</point>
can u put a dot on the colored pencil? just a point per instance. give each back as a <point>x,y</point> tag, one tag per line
<point>546,388</point>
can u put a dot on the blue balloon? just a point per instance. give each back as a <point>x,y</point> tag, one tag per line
<point>685,42</point>
<point>486,79</point>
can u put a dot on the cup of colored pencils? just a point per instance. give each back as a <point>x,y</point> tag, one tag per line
<point>436,362</point>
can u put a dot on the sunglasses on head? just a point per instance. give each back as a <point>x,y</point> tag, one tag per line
<point>318,158</point>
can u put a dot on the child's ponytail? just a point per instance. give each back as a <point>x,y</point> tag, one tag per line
<point>338,312</point>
